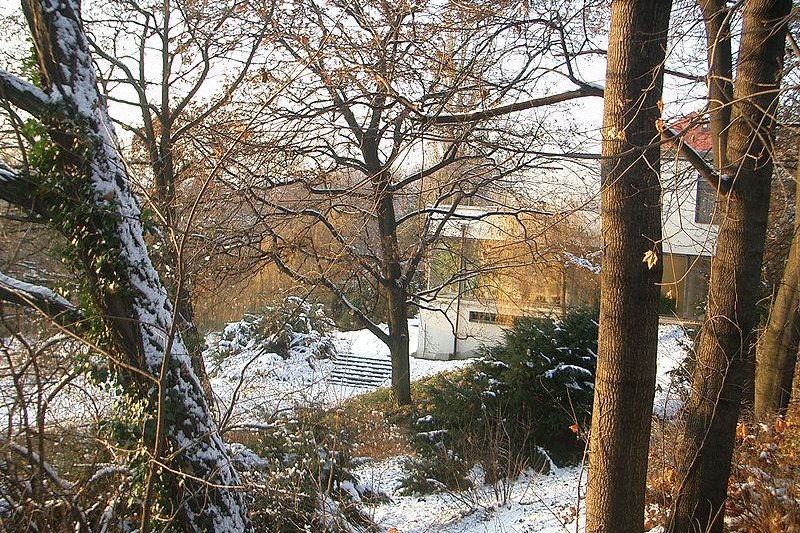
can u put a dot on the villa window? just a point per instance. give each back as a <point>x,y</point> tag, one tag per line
<point>483,317</point>
<point>705,210</point>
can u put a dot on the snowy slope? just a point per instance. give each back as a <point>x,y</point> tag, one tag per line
<point>532,504</point>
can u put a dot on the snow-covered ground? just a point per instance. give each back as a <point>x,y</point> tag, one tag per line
<point>262,383</point>
<point>534,503</point>
<point>259,384</point>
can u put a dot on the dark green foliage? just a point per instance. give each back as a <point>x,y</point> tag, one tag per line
<point>545,372</point>
<point>530,397</point>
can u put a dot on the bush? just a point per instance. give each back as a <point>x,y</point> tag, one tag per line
<point>526,401</point>
<point>296,326</point>
<point>544,371</point>
<point>764,488</point>
<point>299,476</point>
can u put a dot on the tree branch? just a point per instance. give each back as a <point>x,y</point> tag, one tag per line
<point>698,162</point>
<point>39,298</point>
<point>18,191</point>
<point>588,90</point>
<point>22,94</point>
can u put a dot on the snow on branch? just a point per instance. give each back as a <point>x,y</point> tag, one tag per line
<point>17,190</point>
<point>67,487</point>
<point>40,298</point>
<point>22,94</point>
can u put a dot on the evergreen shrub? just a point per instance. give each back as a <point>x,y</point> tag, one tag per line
<point>526,403</point>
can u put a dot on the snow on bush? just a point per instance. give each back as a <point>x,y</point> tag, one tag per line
<point>298,472</point>
<point>296,327</point>
<point>267,362</point>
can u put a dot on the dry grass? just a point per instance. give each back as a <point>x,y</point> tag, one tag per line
<point>764,488</point>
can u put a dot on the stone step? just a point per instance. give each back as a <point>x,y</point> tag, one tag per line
<point>358,371</point>
<point>362,366</point>
<point>355,382</point>
<point>380,362</point>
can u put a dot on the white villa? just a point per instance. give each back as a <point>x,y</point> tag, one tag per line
<point>470,305</point>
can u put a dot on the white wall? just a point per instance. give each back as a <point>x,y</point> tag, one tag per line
<point>436,327</point>
<point>682,235</point>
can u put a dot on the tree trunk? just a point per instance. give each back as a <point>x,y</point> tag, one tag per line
<point>629,292</point>
<point>399,348</point>
<point>91,202</point>
<point>395,286</point>
<point>794,401</point>
<point>778,350</point>
<point>713,410</point>
<point>720,74</point>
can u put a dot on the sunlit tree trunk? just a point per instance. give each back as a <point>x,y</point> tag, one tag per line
<point>631,268</point>
<point>778,350</point>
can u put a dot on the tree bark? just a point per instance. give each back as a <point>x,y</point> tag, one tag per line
<point>93,205</point>
<point>629,292</point>
<point>778,350</point>
<point>720,74</point>
<point>713,410</point>
<point>399,347</point>
<point>395,286</point>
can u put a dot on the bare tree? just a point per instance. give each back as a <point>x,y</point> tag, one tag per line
<point>160,60</point>
<point>380,84</point>
<point>83,191</point>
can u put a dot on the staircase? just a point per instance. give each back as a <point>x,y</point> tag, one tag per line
<point>356,371</point>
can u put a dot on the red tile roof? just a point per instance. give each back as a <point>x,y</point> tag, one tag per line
<point>694,130</point>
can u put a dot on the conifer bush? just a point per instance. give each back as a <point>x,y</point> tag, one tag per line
<point>525,403</point>
<point>298,476</point>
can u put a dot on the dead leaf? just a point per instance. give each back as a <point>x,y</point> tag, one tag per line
<point>741,431</point>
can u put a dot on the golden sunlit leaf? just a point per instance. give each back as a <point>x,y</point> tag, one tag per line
<point>651,258</point>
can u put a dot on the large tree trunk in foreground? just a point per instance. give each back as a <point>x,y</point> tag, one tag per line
<point>86,195</point>
<point>778,350</point>
<point>713,409</point>
<point>629,292</point>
